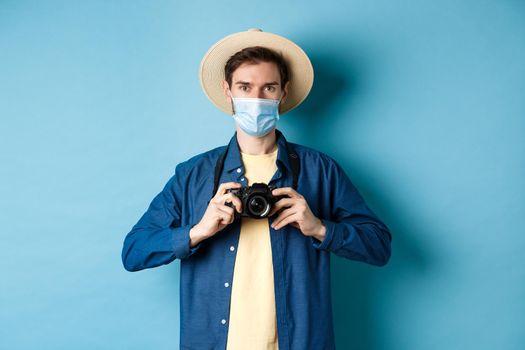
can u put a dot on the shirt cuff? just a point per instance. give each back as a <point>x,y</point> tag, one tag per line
<point>328,240</point>
<point>181,242</point>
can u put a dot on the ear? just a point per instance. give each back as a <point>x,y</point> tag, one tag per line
<point>226,90</point>
<point>285,92</point>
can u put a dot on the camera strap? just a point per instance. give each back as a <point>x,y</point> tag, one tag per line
<point>293,158</point>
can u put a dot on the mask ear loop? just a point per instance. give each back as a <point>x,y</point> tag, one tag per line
<point>279,104</point>
<point>231,97</point>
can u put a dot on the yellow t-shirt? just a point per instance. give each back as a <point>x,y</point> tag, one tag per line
<point>253,323</point>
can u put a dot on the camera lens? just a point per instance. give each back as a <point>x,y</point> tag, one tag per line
<point>258,206</point>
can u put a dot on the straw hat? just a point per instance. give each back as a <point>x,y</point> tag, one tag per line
<point>300,68</point>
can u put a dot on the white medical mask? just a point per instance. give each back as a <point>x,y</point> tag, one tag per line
<point>256,116</point>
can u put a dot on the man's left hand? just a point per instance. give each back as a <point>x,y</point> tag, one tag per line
<point>297,214</point>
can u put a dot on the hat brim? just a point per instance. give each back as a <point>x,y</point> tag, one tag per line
<point>300,68</point>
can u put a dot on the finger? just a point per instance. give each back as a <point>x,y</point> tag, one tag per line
<point>226,185</point>
<point>231,198</point>
<point>229,211</point>
<point>286,190</point>
<point>225,218</point>
<point>284,214</point>
<point>225,209</point>
<point>289,219</point>
<point>284,202</point>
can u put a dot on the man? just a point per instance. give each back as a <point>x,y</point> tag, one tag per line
<point>251,282</point>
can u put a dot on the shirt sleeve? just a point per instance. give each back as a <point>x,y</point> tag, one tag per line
<point>158,237</point>
<point>353,231</point>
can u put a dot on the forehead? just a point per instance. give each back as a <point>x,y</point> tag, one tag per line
<point>261,71</point>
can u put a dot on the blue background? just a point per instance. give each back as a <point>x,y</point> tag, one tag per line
<point>421,102</point>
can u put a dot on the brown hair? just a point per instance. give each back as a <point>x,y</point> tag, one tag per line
<point>254,55</point>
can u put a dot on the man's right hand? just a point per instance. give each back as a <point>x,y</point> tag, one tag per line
<point>218,215</point>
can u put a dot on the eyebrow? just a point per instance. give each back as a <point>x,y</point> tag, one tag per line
<point>247,83</point>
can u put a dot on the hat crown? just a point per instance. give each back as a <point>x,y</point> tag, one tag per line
<point>255,30</point>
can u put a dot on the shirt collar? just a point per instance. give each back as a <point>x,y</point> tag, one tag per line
<point>233,156</point>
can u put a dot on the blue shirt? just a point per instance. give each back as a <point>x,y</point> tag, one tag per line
<point>301,263</point>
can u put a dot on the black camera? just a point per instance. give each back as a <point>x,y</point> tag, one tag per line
<point>257,200</point>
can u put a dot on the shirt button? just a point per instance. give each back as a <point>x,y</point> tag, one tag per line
<point>242,179</point>
<point>238,170</point>
<point>232,248</point>
<point>223,321</point>
<point>226,284</point>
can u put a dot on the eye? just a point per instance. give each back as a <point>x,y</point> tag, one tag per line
<point>270,88</point>
<point>243,87</point>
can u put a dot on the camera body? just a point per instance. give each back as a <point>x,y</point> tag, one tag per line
<point>257,200</point>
